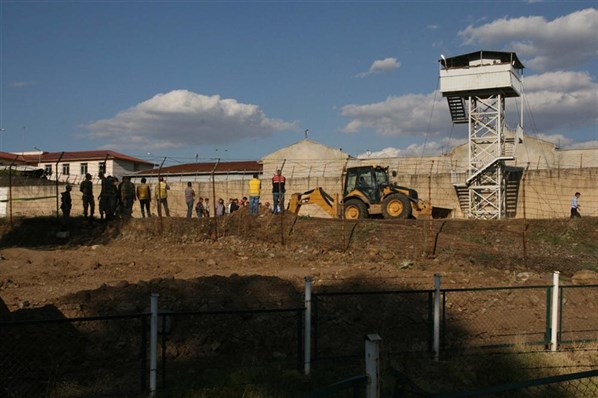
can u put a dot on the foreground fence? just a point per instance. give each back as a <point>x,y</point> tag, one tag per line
<point>128,354</point>
<point>579,385</point>
<point>474,318</point>
<point>76,357</point>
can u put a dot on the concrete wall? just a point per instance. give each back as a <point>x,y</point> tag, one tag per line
<point>542,193</point>
<point>532,153</point>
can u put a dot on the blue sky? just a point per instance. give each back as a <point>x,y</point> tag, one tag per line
<point>240,79</point>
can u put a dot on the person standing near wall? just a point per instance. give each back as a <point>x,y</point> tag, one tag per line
<point>108,197</point>
<point>255,186</point>
<point>162,197</point>
<point>86,189</point>
<point>127,197</point>
<point>66,202</point>
<point>278,190</point>
<point>575,206</point>
<point>145,197</point>
<point>189,199</point>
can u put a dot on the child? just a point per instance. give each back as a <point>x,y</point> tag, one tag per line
<point>199,209</point>
<point>65,201</point>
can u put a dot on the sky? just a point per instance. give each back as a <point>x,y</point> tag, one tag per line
<point>237,80</point>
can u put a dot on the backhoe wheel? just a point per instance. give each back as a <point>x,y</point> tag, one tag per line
<point>355,209</point>
<point>396,206</point>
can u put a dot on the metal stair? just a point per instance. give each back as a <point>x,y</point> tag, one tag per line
<point>513,180</point>
<point>457,109</point>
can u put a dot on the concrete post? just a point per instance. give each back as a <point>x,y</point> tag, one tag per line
<point>372,365</point>
<point>554,317</point>
<point>153,343</point>
<point>307,334</point>
<point>436,347</point>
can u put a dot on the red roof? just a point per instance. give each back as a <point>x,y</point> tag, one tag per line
<point>7,157</point>
<point>244,167</point>
<point>51,157</point>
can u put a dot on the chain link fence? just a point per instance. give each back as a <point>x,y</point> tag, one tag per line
<point>77,357</point>
<point>579,314</point>
<point>573,385</point>
<point>494,317</point>
<point>230,339</point>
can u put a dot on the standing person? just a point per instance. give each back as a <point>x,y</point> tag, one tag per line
<point>108,197</point>
<point>255,186</point>
<point>66,202</point>
<point>220,208</point>
<point>127,196</point>
<point>102,196</point>
<point>278,190</point>
<point>206,207</point>
<point>199,209</point>
<point>117,202</point>
<point>233,206</point>
<point>86,189</point>
<point>575,206</point>
<point>162,197</point>
<point>144,195</point>
<point>189,199</point>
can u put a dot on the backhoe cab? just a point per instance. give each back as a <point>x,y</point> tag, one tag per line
<point>367,192</point>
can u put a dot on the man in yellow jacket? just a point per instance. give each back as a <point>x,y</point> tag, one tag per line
<point>162,197</point>
<point>255,186</point>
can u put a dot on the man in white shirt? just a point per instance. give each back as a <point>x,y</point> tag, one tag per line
<point>575,206</point>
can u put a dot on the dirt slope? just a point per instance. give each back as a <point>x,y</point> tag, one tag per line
<point>38,268</point>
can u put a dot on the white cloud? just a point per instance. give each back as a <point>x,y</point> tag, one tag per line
<point>408,115</point>
<point>561,101</point>
<point>182,118</point>
<point>582,145</point>
<point>382,65</point>
<point>20,84</point>
<point>557,102</point>
<point>429,149</point>
<point>544,45</point>
<point>558,139</point>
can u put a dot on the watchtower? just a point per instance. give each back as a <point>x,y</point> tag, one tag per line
<point>476,86</point>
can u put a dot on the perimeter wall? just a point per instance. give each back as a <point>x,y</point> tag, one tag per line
<point>543,193</point>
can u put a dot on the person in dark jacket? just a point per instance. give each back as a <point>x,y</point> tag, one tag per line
<point>66,202</point>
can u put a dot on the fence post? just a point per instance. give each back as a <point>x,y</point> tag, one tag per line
<point>372,365</point>
<point>436,347</point>
<point>153,342</point>
<point>554,317</point>
<point>307,334</point>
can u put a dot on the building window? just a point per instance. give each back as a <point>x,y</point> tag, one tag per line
<point>102,167</point>
<point>66,169</point>
<point>83,169</point>
<point>48,169</point>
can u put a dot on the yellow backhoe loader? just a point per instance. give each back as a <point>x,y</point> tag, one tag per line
<point>367,192</point>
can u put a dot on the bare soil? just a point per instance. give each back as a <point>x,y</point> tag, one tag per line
<point>51,269</point>
<point>38,268</point>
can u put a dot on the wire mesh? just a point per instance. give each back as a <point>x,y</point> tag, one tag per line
<point>493,317</point>
<point>543,190</point>
<point>71,358</point>
<point>196,345</point>
<point>401,317</point>
<point>579,316</point>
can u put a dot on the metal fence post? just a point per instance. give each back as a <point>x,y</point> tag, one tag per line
<point>436,348</point>
<point>372,365</point>
<point>307,334</point>
<point>153,342</point>
<point>554,318</point>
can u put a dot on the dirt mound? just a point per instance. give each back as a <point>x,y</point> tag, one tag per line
<point>39,266</point>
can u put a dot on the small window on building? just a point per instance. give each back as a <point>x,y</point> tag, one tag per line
<point>102,167</point>
<point>83,169</point>
<point>48,169</point>
<point>66,169</point>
